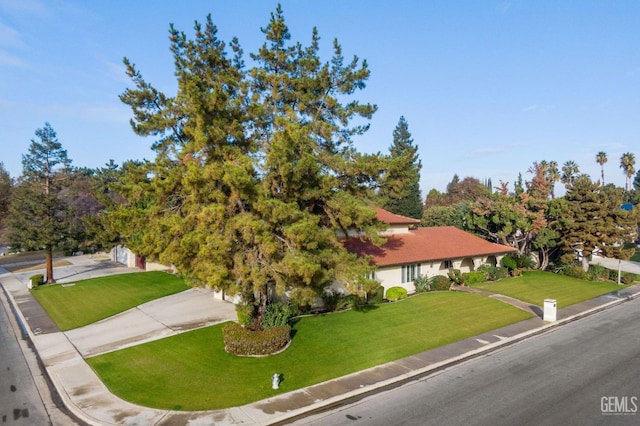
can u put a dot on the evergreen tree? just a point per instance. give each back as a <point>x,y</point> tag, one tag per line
<point>402,183</point>
<point>451,186</point>
<point>256,174</point>
<point>39,214</point>
<point>518,186</point>
<point>6,183</point>
<point>593,221</point>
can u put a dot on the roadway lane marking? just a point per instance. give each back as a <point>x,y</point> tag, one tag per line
<point>484,342</point>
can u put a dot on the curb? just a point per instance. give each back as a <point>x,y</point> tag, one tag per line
<point>17,313</point>
<point>421,373</point>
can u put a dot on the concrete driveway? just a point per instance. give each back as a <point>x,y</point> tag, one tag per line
<point>167,316</point>
<point>613,264</point>
<point>170,315</point>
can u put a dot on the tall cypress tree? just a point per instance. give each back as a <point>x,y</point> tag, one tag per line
<point>402,191</point>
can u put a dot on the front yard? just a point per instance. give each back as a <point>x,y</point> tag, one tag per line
<point>191,371</point>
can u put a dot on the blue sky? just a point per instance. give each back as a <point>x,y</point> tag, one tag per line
<point>487,87</point>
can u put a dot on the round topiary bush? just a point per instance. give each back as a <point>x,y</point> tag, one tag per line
<point>396,293</point>
<point>244,342</point>
<point>440,283</point>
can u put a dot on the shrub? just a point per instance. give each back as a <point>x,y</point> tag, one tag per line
<point>277,315</point>
<point>36,280</point>
<point>597,273</point>
<point>628,278</point>
<point>352,301</point>
<point>440,283</point>
<point>574,270</point>
<point>245,314</point>
<point>613,275</point>
<point>244,342</point>
<point>422,284</point>
<point>455,276</point>
<point>331,300</point>
<point>517,261</point>
<point>375,296</point>
<point>396,293</point>
<point>509,262</point>
<point>474,277</point>
<point>493,273</point>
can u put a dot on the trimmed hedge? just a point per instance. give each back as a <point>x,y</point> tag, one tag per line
<point>396,293</point>
<point>474,277</point>
<point>244,342</point>
<point>37,279</point>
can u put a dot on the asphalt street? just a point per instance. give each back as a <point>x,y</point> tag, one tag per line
<point>20,401</point>
<point>584,373</point>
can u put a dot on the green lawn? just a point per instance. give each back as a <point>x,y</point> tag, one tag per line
<point>88,301</point>
<point>636,256</point>
<point>191,371</point>
<point>535,286</point>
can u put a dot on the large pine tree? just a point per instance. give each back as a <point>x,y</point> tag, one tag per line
<point>594,222</point>
<point>256,175</point>
<point>402,189</point>
<point>39,214</point>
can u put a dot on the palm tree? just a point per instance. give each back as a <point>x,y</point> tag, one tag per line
<point>627,161</point>
<point>552,174</point>
<point>570,171</point>
<point>601,158</point>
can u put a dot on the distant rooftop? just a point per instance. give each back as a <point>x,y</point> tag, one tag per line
<point>394,219</point>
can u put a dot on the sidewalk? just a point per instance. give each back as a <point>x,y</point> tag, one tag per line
<point>89,399</point>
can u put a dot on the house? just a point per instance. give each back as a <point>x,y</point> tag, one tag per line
<point>411,251</point>
<point>123,255</point>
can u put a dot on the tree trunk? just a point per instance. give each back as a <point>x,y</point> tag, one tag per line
<point>49,263</point>
<point>543,259</point>
<point>262,306</point>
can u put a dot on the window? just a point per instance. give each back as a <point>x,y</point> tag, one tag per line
<point>448,264</point>
<point>371,275</point>
<point>410,272</point>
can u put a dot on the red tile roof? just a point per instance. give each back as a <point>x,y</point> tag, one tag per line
<point>394,219</point>
<point>425,245</point>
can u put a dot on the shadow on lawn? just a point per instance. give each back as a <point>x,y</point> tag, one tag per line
<point>365,308</point>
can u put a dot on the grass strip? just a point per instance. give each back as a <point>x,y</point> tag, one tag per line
<point>94,299</point>
<point>535,286</point>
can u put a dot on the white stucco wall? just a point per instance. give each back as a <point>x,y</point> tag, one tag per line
<point>391,276</point>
